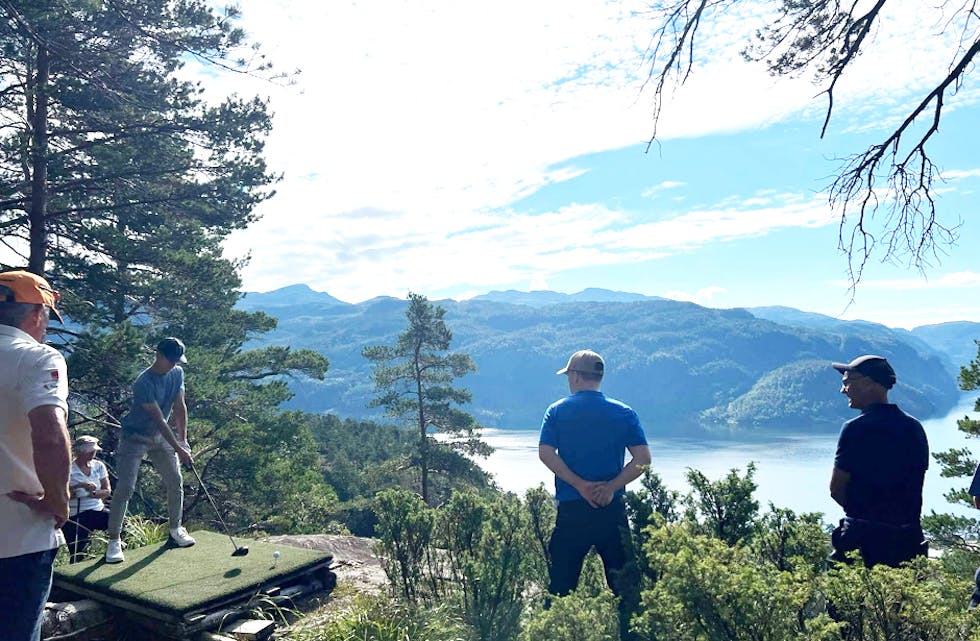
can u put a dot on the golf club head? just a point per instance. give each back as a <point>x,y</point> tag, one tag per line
<point>240,551</point>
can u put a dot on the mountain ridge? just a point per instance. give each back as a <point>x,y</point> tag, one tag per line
<point>683,366</point>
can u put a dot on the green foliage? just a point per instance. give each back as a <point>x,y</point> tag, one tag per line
<point>361,457</point>
<point>541,521</point>
<point>770,583</point>
<point>383,619</point>
<point>725,508</point>
<point>100,365</point>
<point>265,471</point>
<point>139,531</point>
<point>711,590</point>
<point>773,584</point>
<point>959,532</point>
<point>953,531</point>
<point>471,552</point>
<point>918,601</point>
<point>486,552</point>
<point>577,616</point>
<point>803,388</point>
<point>118,161</point>
<point>414,379</point>
<point>788,541</point>
<point>125,181</point>
<point>592,582</point>
<point>970,381</point>
<point>405,527</point>
<point>654,498</point>
<point>652,505</point>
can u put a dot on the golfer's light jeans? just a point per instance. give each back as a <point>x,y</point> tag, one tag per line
<point>129,454</point>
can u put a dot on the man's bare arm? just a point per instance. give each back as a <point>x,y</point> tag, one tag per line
<point>52,462</point>
<point>553,461</point>
<point>179,417</point>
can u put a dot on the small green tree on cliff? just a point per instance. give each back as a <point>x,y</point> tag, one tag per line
<point>414,380</point>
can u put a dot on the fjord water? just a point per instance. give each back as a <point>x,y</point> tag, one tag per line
<point>792,467</point>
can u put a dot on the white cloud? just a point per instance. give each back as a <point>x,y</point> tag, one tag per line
<point>702,296</point>
<point>465,106</point>
<point>953,280</point>
<point>960,174</point>
<point>916,316</point>
<point>359,254</point>
<point>414,127</point>
<point>650,192</point>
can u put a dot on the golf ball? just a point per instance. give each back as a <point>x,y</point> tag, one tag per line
<point>275,554</point>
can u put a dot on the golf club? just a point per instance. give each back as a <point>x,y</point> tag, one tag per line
<point>240,550</point>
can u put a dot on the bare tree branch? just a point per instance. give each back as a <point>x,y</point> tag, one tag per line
<point>911,224</point>
<point>825,37</point>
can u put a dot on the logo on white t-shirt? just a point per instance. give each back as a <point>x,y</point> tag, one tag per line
<point>52,381</point>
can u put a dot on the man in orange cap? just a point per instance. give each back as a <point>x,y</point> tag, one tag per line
<point>34,452</point>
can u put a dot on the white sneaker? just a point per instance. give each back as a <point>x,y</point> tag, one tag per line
<point>181,538</point>
<point>113,552</point>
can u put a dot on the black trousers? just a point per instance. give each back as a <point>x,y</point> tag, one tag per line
<point>578,529</point>
<point>78,529</point>
<point>880,543</point>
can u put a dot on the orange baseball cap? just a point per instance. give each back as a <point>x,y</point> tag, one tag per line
<point>25,287</point>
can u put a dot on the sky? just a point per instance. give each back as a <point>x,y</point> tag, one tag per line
<point>454,148</point>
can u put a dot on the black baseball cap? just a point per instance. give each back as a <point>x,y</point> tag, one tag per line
<point>172,349</point>
<point>874,367</point>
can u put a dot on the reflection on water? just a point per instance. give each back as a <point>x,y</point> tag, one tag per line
<point>792,470</point>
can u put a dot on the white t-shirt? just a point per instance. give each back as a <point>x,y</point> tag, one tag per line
<point>81,499</point>
<point>31,375</point>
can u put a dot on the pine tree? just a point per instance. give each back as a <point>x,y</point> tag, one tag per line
<point>414,380</point>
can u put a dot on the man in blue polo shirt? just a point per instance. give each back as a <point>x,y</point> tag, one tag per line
<point>584,438</point>
<point>880,465</point>
<point>158,397</point>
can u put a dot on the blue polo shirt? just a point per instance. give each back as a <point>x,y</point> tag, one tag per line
<point>591,433</point>
<point>151,387</point>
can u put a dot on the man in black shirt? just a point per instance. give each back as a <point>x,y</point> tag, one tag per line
<point>881,461</point>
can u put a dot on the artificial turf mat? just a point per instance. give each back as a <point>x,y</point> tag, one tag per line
<point>177,581</point>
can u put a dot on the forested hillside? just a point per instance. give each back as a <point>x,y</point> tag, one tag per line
<point>958,340</point>
<point>682,366</point>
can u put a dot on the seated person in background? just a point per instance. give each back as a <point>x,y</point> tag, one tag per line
<point>88,486</point>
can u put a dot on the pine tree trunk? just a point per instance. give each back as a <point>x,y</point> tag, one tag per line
<point>423,442</point>
<point>39,165</point>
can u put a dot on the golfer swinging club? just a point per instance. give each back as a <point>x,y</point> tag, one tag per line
<point>156,392</point>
